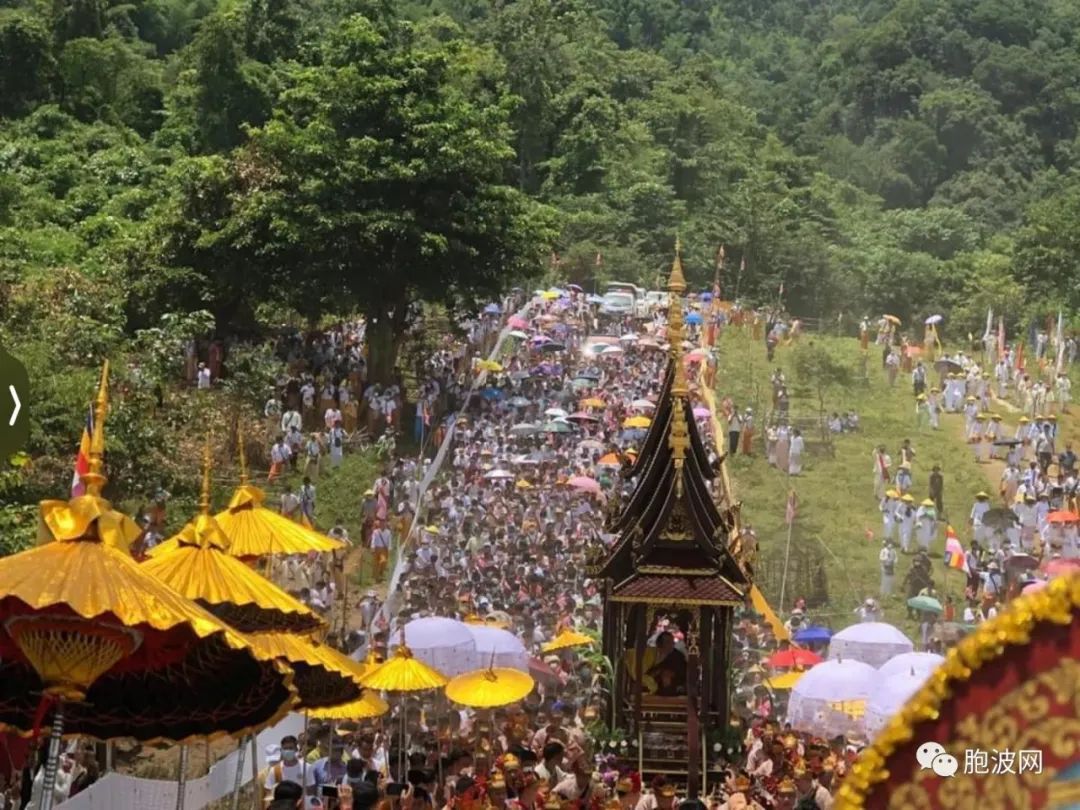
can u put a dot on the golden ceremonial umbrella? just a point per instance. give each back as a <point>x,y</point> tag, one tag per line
<point>566,639</point>
<point>637,422</point>
<point>403,673</point>
<point>366,708</point>
<point>488,688</point>
<point>255,531</point>
<point>201,569</point>
<point>83,627</point>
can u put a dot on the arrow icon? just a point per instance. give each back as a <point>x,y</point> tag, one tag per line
<point>18,406</point>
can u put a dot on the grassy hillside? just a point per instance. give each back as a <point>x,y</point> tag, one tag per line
<point>835,492</point>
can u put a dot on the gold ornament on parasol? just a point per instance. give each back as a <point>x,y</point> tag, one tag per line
<point>566,639</point>
<point>403,673</point>
<point>366,708</point>
<point>255,531</point>
<point>120,654</point>
<point>488,688</point>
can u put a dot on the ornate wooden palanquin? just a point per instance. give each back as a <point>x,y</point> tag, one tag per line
<point>671,560</point>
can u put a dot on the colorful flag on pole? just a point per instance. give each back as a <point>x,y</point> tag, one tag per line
<point>792,508</point>
<point>1019,363</point>
<point>1001,337</point>
<point>82,460</point>
<point>989,323</point>
<point>954,552</point>
<point>599,259</point>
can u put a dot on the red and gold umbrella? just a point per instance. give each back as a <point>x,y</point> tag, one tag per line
<point>85,630</point>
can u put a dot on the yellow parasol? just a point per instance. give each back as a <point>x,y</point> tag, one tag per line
<point>892,319</point>
<point>488,365</point>
<point>785,681</point>
<point>255,531</point>
<point>487,621</point>
<point>521,483</point>
<point>637,422</point>
<point>201,570</point>
<point>120,654</point>
<point>488,688</point>
<point>367,707</point>
<point>566,639</point>
<point>403,673</point>
<point>593,402</point>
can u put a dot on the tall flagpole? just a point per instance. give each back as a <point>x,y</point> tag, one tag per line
<point>789,516</point>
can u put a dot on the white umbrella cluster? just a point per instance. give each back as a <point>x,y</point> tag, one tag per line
<point>872,643</point>
<point>853,698</point>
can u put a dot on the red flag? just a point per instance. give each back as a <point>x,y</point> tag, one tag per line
<point>82,459</point>
<point>792,508</point>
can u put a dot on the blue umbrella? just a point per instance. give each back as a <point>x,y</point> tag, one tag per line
<point>491,393</point>
<point>693,319</point>
<point>492,309</point>
<point>706,296</point>
<point>813,635</point>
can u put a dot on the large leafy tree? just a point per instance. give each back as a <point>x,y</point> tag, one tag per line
<point>379,183</point>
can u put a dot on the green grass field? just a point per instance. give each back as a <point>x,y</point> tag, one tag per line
<point>835,493</point>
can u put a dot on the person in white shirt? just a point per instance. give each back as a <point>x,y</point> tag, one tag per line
<point>289,420</point>
<point>203,377</point>
<point>287,768</point>
<point>279,457</point>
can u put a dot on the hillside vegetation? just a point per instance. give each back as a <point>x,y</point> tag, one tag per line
<point>173,166</point>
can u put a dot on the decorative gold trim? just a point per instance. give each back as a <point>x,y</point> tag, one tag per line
<point>652,600</point>
<point>669,570</point>
<point>1057,603</point>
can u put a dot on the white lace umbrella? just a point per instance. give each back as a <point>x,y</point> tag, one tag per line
<point>508,649</point>
<point>920,662</point>
<point>889,697</point>
<point>873,643</point>
<point>443,644</point>
<point>831,697</point>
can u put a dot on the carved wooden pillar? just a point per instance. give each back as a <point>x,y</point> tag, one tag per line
<point>693,718</point>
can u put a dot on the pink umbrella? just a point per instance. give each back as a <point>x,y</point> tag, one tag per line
<point>585,483</point>
<point>1060,565</point>
<point>516,322</point>
<point>581,416</point>
<point>701,412</point>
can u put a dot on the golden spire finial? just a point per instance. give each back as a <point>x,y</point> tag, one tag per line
<point>95,478</point>
<point>243,454</point>
<point>678,435</point>
<point>204,495</point>
<point>677,281</point>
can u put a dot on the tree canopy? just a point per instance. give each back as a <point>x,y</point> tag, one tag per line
<point>165,157</point>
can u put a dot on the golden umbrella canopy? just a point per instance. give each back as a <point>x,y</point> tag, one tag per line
<point>255,531</point>
<point>323,676</point>
<point>366,708</point>
<point>488,688</point>
<point>82,625</point>
<point>200,569</point>
<point>566,639</point>
<point>403,673</point>
<point>786,680</point>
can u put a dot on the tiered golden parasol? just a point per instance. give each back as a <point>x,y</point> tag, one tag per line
<point>566,639</point>
<point>200,568</point>
<point>488,688</point>
<point>255,531</point>
<point>85,629</point>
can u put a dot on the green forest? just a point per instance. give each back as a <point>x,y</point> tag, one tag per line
<point>173,166</point>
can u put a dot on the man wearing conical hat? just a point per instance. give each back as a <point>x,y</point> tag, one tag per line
<point>926,524</point>
<point>975,519</point>
<point>905,520</point>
